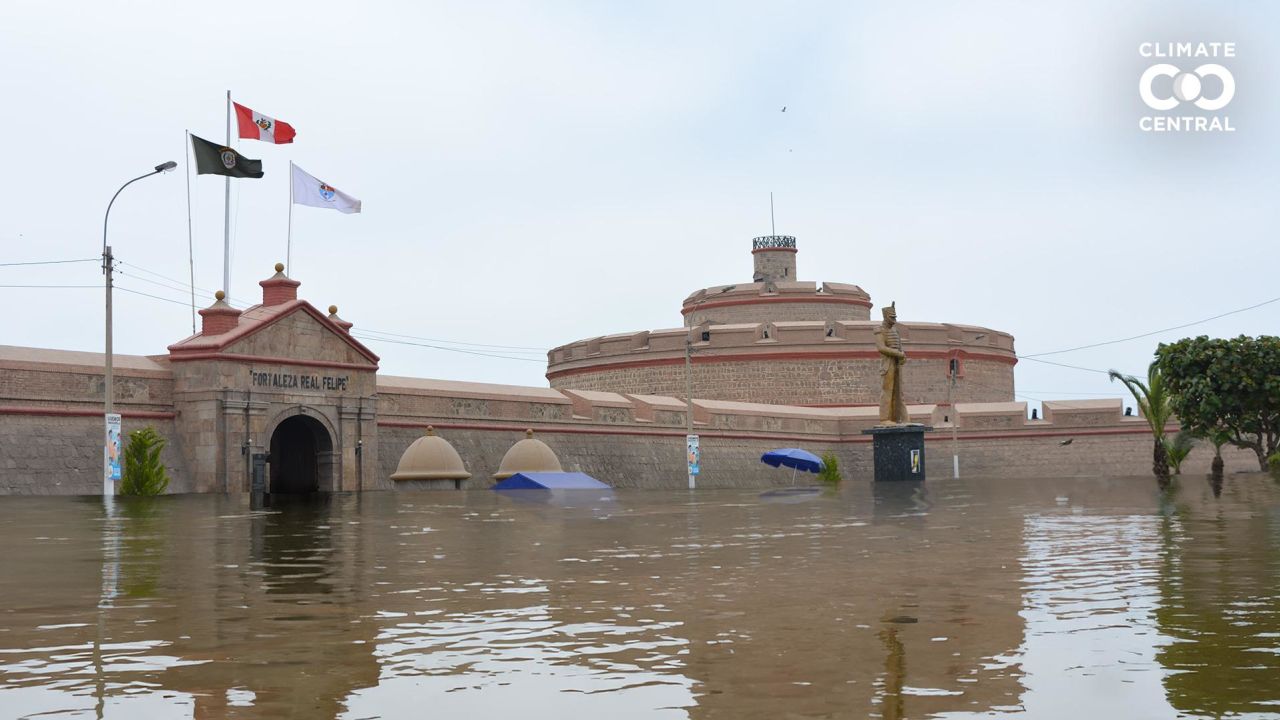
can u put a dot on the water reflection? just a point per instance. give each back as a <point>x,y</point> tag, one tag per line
<point>893,601</point>
<point>1220,603</point>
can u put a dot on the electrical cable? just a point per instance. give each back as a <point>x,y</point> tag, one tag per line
<point>157,297</point>
<point>355,334</point>
<point>518,349</point>
<point>49,262</point>
<point>51,286</point>
<point>441,347</point>
<point>1031,356</point>
<point>1064,365</point>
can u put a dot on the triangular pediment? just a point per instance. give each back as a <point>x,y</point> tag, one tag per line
<point>301,336</point>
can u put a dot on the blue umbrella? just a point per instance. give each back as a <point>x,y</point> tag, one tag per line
<point>794,458</point>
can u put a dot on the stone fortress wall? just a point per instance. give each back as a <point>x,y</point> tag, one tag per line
<point>791,363</point>
<point>283,370</point>
<point>51,431</point>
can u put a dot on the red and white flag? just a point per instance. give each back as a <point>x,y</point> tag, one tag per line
<point>256,126</point>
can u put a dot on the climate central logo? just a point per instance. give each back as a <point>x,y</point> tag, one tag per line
<point>1187,87</point>
<point>1208,87</point>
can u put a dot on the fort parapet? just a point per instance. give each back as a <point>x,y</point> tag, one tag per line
<point>832,363</point>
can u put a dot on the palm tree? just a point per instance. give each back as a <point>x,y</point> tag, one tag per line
<point>1179,448</point>
<point>1155,405</point>
<point>1219,438</point>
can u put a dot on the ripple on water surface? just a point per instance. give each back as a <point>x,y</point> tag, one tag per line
<point>972,598</point>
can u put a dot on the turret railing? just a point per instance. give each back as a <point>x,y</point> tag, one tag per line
<point>772,242</point>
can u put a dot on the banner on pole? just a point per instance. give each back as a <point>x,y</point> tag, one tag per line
<point>695,454</point>
<point>111,454</point>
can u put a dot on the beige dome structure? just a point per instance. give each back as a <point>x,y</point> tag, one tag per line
<point>528,455</point>
<point>430,457</point>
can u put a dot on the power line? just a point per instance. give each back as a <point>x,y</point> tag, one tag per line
<point>185,286</point>
<point>459,342</point>
<point>1064,365</point>
<point>518,349</point>
<point>49,262</point>
<point>167,286</point>
<point>157,297</point>
<point>355,334</point>
<point>441,347</point>
<point>51,286</point>
<point>1153,332</point>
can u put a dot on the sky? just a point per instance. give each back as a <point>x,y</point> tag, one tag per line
<point>538,173</point>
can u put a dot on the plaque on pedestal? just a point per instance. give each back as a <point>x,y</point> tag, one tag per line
<point>898,451</point>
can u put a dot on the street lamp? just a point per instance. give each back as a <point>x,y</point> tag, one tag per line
<point>107,267</point>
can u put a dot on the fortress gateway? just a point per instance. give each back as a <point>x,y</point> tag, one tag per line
<point>773,362</point>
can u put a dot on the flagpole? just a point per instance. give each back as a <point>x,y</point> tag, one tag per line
<point>226,217</point>
<point>191,258</point>
<point>288,248</point>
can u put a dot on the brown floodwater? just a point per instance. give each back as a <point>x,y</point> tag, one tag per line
<point>971,598</point>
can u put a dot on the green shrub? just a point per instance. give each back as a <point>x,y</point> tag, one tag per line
<point>1178,449</point>
<point>144,474</point>
<point>1273,464</point>
<point>830,472</point>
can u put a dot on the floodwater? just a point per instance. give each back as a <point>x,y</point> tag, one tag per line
<point>1070,599</point>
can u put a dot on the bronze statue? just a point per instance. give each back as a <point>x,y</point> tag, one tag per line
<point>893,411</point>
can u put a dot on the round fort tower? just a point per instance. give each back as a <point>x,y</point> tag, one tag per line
<point>781,340</point>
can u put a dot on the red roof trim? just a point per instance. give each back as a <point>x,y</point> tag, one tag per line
<point>771,357</point>
<point>766,300</point>
<point>216,355</point>
<point>517,427</point>
<point>86,412</point>
<point>250,326</point>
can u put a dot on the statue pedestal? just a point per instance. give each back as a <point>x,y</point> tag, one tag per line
<point>898,451</point>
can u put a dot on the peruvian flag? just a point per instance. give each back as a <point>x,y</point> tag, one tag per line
<point>256,126</point>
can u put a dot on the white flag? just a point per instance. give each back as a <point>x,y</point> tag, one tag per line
<point>307,190</point>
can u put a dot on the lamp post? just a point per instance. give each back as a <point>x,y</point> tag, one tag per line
<point>108,488</point>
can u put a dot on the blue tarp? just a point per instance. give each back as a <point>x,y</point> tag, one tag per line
<point>551,481</point>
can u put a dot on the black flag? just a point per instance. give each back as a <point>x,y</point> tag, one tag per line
<point>215,159</point>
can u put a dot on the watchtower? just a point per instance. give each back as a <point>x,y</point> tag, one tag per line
<point>775,258</point>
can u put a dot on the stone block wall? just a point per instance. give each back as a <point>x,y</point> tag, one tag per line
<point>643,443</point>
<point>791,363</point>
<point>51,433</point>
<point>807,381</point>
<point>62,454</point>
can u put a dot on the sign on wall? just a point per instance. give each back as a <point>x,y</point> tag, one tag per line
<point>111,454</point>
<point>296,381</point>
<point>695,455</point>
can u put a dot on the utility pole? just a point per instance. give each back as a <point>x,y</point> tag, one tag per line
<point>690,438</point>
<point>955,419</point>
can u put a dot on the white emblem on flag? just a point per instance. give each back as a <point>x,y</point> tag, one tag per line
<point>264,123</point>
<point>327,192</point>
<point>228,159</point>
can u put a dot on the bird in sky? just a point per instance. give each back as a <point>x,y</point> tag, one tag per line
<point>784,108</point>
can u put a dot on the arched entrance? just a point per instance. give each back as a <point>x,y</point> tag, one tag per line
<point>301,456</point>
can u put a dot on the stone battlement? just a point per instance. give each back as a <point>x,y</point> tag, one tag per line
<point>790,363</point>
<point>784,301</point>
<point>413,401</point>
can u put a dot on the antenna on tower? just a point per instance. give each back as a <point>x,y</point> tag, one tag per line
<point>773,228</point>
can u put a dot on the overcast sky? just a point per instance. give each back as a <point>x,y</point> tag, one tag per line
<point>538,173</point>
